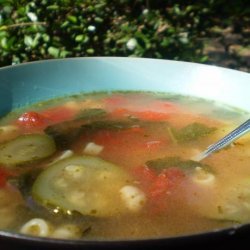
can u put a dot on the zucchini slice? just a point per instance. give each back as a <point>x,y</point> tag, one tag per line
<point>86,184</point>
<point>26,148</point>
<point>226,203</point>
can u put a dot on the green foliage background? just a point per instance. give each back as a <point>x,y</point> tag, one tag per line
<point>171,29</point>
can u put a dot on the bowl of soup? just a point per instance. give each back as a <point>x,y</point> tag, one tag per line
<point>99,153</point>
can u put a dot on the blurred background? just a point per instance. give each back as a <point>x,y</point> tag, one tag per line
<point>214,32</point>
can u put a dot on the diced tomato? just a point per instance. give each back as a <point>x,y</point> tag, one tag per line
<point>120,113</point>
<point>58,114</point>
<point>136,129</point>
<point>158,187</point>
<point>32,120</point>
<point>116,100</point>
<point>166,180</point>
<point>151,116</point>
<point>4,174</point>
<point>35,121</point>
<point>153,145</point>
<point>145,175</point>
<point>175,176</point>
<point>142,115</point>
<point>165,106</point>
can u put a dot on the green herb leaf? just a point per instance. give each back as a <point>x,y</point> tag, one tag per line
<point>91,113</point>
<point>168,162</point>
<point>192,132</point>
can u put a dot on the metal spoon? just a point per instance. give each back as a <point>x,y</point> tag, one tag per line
<point>225,141</point>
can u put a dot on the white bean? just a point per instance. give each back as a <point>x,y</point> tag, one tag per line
<point>36,227</point>
<point>92,149</point>
<point>65,154</point>
<point>133,197</point>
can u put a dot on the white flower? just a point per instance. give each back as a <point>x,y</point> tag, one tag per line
<point>145,11</point>
<point>131,43</point>
<point>91,28</point>
<point>32,16</point>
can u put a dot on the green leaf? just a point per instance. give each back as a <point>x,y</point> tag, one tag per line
<point>64,53</point>
<point>53,51</point>
<point>45,37</point>
<point>79,38</point>
<point>98,19</point>
<point>53,7</point>
<point>88,114</point>
<point>170,162</point>
<point>90,51</point>
<point>28,41</point>
<point>72,19</point>
<point>4,27</point>
<point>3,34</point>
<point>192,132</point>
<point>4,43</point>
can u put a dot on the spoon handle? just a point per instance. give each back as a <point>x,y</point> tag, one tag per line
<point>225,141</point>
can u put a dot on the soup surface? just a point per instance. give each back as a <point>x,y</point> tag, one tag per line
<point>119,165</point>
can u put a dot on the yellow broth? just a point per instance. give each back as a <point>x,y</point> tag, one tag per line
<point>118,166</point>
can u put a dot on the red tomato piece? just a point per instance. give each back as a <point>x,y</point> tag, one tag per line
<point>154,145</point>
<point>59,114</point>
<point>137,129</point>
<point>120,113</point>
<point>142,115</point>
<point>158,186</point>
<point>116,100</point>
<point>3,177</point>
<point>166,180</point>
<point>164,106</point>
<point>32,120</point>
<point>145,175</point>
<point>174,176</point>
<point>162,188</point>
<point>151,116</point>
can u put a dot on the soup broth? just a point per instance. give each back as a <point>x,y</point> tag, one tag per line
<point>119,165</point>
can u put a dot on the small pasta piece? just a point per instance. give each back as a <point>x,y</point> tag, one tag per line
<point>203,177</point>
<point>65,154</point>
<point>92,149</point>
<point>67,232</point>
<point>37,227</point>
<point>133,197</point>
<point>8,132</point>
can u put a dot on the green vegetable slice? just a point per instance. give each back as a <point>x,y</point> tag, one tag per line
<point>85,184</point>
<point>26,148</point>
<point>91,114</point>
<point>66,133</point>
<point>167,162</point>
<point>229,203</point>
<point>192,132</point>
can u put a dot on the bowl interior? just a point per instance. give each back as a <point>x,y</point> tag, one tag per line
<point>28,83</point>
<point>32,82</point>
